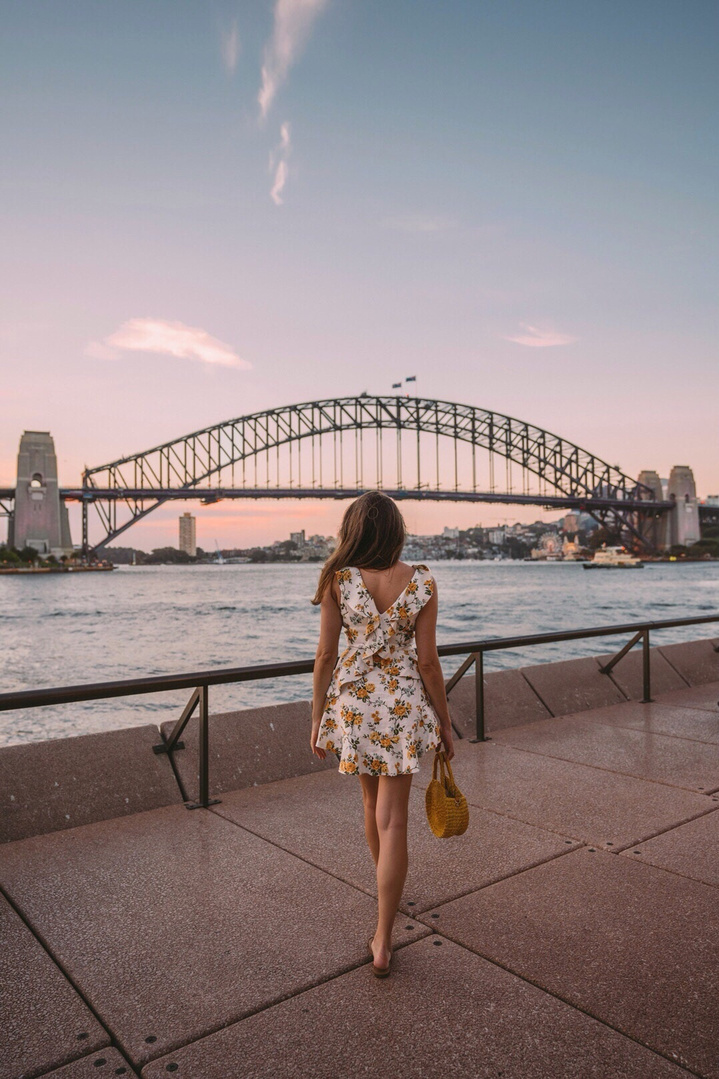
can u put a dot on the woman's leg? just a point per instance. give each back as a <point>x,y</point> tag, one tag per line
<point>369,801</point>
<point>391,817</point>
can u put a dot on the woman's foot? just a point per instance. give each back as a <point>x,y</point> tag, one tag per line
<point>381,955</point>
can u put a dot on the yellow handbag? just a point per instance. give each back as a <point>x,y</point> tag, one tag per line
<point>447,809</point>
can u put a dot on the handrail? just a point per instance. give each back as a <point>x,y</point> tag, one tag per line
<point>33,698</point>
<point>200,681</point>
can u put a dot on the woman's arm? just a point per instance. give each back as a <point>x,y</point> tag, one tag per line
<point>325,658</point>
<point>430,669</point>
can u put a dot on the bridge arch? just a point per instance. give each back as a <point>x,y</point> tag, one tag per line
<point>565,473</point>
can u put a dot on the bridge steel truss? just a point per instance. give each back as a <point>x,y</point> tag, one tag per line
<point>569,475</point>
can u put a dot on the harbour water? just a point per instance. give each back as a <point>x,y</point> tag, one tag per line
<point>65,630</point>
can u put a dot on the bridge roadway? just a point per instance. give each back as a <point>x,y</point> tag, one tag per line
<point>570,933</point>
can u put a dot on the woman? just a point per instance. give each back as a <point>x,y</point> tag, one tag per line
<point>381,704</point>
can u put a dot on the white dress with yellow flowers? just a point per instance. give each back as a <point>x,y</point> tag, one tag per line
<point>378,718</point>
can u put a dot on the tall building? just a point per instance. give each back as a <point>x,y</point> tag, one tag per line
<point>40,516</point>
<point>188,542</point>
<point>298,538</point>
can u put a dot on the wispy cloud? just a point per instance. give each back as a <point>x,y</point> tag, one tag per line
<point>540,337</point>
<point>230,47</point>
<point>419,223</point>
<point>291,29</point>
<point>168,339</point>
<point>279,168</point>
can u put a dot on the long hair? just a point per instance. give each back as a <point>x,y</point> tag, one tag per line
<point>371,536</point>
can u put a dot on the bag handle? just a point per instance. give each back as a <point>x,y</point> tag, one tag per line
<point>446,779</point>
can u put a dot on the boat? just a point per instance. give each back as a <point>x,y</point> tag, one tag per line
<point>614,558</point>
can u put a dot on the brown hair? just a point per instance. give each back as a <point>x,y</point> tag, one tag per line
<point>371,536</point>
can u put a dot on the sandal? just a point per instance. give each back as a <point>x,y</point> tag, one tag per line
<point>379,972</point>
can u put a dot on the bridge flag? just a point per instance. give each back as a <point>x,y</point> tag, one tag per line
<point>396,385</point>
<point>411,378</point>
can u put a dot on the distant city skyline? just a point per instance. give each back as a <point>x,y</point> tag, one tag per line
<point>211,211</point>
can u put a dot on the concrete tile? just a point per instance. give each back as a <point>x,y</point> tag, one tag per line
<point>629,672</point>
<point>67,782</point>
<point>690,849</point>
<point>696,661</point>
<point>601,808</point>
<point>255,745</point>
<point>43,1021</point>
<point>332,837</point>
<point>100,1065</point>
<point>706,696</point>
<point>442,1011</point>
<point>630,944</point>
<point>677,762</point>
<point>509,701</point>
<point>572,685</point>
<point>175,922</point>
<point>698,725</point>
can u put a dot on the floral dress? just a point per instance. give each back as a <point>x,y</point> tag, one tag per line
<point>377,717</point>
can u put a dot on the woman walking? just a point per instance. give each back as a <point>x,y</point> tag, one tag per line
<point>381,704</point>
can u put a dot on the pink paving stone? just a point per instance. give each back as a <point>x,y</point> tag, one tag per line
<point>678,762</point>
<point>591,804</point>
<point>628,673</point>
<point>706,696</point>
<point>255,745</point>
<point>632,945</point>
<point>573,685</point>
<point>102,1065</point>
<point>443,1011</point>
<point>43,1021</point>
<point>696,661</point>
<point>66,782</point>
<point>659,717</point>
<point>690,849</point>
<point>332,837</point>
<point>509,700</point>
<point>175,922</point>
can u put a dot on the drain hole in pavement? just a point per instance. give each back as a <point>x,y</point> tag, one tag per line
<point>409,927</point>
<point>434,915</point>
<point>82,1036</point>
<point>120,1071</point>
<point>150,1039</point>
<point>592,849</point>
<point>636,852</point>
<point>610,844</point>
<point>99,1062</point>
<point>567,841</point>
<point>172,1067</point>
<point>410,903</point>
<point>437,942</point>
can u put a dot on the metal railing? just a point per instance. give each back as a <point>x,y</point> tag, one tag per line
<point>200,681</point>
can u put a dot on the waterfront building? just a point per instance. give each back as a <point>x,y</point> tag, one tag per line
<point>298,538</point>
<point>188,542</point>
<point>495,536</point>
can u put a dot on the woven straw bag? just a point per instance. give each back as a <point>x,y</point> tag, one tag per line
<point>447,809</point>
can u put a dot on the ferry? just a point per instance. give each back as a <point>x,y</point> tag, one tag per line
<point>614,558</point>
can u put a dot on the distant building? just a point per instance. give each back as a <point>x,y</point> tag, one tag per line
<point>298,538</point>
<point>450,533</point>
<point>570,522</point>
<point>711,500</point>
<point>188,542</point>
<point>495,536</point>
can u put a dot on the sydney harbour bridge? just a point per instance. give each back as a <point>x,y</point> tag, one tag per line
<point>409,447</point>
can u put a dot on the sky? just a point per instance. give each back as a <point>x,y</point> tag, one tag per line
<point>212,208</point>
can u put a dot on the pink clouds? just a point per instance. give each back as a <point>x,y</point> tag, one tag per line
<point>166,338</point>
<point>540,337</point>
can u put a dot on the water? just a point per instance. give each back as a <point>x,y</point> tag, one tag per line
<point>63,630</point>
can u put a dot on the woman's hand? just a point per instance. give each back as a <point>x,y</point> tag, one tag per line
<point>317,750</point>
<point>445,734</point>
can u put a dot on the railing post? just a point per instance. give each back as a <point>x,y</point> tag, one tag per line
<point>646,667</point>
<point>204,752</point>
<point>479,695</point>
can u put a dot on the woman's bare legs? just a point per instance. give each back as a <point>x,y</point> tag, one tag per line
<point>391,813</point>
<point>369,801</point>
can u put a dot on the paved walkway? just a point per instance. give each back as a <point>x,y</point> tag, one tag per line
<point>572,932</point>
